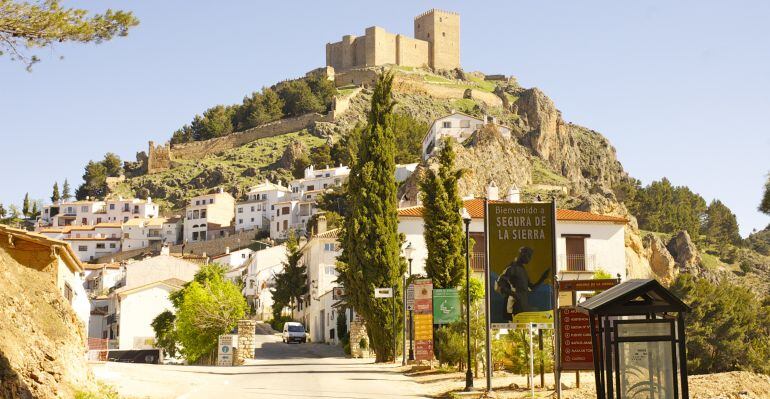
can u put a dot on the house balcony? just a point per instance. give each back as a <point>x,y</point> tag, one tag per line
<point>111,319</point>
<point>478,261</point>
<point>577,263</point>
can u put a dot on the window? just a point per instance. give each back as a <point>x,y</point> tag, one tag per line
<point>189,215</point>
<point>329,247</point>
<point>252,208</point>
<point>285,210</point>
<point>112,207</point>
<point>84,221</point>
<point>252,219</point>
<point>82,248</point>
<point>84,208</point>
<point>196,214</point>
<point>211,200</point>
<point>195,236</point>
<point>443,34</point>
<point>203,213</point>
<point>240,210</point>
<point>125,235</point>
<point>311,188</point>
<point>125,219</point>
<point>112,245</point>
<point>446,124</point>
<point>68,294</point>
<point>240,221</point>
<point>100,245</point>
<point>98,220</point>
<point>330,270</point>
<point>277,226</point>
<point>465,123</point>
<point>328,174</point>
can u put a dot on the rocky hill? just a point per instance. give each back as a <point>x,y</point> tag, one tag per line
<point>546,156</point>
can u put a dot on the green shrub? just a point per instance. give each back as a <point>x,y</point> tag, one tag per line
<point>277,323</point>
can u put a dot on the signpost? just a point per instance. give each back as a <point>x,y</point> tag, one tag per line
<point>423,319</point>
<point>383,292</point>
<point>410,297</point>
<point>446,305</point>
<point>225,351</point>
<point>338,293</point>
<point>576,349</point>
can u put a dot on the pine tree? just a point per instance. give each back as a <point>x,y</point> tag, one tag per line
<point>764,206</point>
<point>443,232</point>
<point>721,227</point>
<point>35,212</point>
<point>25,205</point>
<point>291,283</point>
<point>3,212</point>
<point>370,240</point>
<point>55,197</point>
<point>66,194</point>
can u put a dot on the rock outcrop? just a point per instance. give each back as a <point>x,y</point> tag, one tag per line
<point>684,252</point>
<point>293,151</point>
<point>661,262</point>
<point>42,342</point>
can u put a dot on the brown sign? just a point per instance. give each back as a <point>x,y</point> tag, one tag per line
<point>576,345</point>
<point>588,285</point>
<point>423,319</point>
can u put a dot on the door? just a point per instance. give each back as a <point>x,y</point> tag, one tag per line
<point>322,330</point>
<point>576,253</point>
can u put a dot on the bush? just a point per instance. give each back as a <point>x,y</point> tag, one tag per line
<point>449,345</point>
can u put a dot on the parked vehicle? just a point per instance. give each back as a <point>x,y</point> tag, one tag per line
<point>294,332</point>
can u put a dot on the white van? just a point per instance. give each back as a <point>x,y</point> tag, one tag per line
<point>294,332</point>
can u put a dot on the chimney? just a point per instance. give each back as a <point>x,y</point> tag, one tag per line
<point>149,200</point>
<point>321,224</point>
<point>221,190</point>
<point>514,195</point>
<point>493,193</point>
<point>165,251</point>
<point>227,250</point>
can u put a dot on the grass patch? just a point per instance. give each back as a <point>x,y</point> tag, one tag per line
<point>466,106</point>
<point>711,262</point>
<point>103,391</point>
<point>484,85</point>
<point>542,174</point>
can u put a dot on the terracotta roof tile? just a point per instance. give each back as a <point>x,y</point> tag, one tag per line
<point>333,233</point>
<point>475,207</point>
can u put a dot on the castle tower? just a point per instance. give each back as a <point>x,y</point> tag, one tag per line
<point>441,29</point>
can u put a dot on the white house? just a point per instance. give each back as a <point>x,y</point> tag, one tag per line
<point>318,180</point>
<point>89,212</point>
<point>259,277</point>
<point>144,295</point>
<point>233,259</point>
<point>56,258</point>
<point>457,126</point>
<point>89,241</point>
<point>209,216</point>
<point>255,212</point>
<point>586,242</point>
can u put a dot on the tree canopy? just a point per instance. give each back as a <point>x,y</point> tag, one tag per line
<point>370,241</point>
<point>764,205</point>
<point>28,25</point>
<point>291,283</point>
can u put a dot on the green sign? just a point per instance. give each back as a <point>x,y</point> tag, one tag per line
<point>446,305</point>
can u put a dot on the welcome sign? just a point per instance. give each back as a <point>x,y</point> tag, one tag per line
<point>521,262</point>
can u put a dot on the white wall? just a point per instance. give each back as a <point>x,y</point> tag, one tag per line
<point>137,310</point>
<point>606,245</point>
<point>159,268</point>
<point>412,228</point>
<point>80,302</point>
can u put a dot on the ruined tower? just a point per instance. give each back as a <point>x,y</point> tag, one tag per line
<point>441,29</point>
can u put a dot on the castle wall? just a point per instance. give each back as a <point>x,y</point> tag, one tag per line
<point>158,158</point>
<point>366,77</point>
<point>411,52</point>
<point>199,149</point>
<point>380,47</point>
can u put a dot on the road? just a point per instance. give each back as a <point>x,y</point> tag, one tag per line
<point>280,371</point>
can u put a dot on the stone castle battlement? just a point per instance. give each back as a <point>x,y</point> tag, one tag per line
<point>436,44</point>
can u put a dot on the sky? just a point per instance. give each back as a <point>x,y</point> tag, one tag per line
<point>681,89</point>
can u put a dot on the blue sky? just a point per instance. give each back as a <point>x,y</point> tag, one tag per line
<point>681,89</point>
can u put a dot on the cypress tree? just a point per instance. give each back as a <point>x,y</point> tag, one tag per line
<point>66,194</point>
<point>370,241</point>
<point>25,205</point>
<point>764,206</point>
<point>443,232</point>
<point>55,196</point>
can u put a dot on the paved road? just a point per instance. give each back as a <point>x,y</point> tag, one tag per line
<point>280,371</point>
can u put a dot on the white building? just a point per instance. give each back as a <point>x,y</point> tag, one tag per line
<point>259,278</point>
<point>144,295</point>
<point>209,216</point>
<point>150,232</point>
<point>89,213</point>
<point>318,180</point>
<point>58,258</point>
<point>255,212</point>
<point>457,126</point>
<point>90,241</point>
<point>586,242</point>
<point>233,259</point>
<point>291,215</point>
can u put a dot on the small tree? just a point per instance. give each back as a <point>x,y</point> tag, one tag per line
<point>165,332</point>
<point>55,196</point>
<point>764,205</point>
<point>3,212</point>
<point>25,209</point>
<point>443,232</point>
<point>291,283</point>
<point>113,166</point>
<point>721,226</point>
<point>66,194</point>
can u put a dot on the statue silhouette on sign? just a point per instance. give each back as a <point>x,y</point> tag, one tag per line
<point>514,283</point>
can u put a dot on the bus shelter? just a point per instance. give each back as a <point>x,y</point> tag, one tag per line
<point>638,338</point>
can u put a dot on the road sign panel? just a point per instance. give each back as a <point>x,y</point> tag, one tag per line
<point>383,292</point>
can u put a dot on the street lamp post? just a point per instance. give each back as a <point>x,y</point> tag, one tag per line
<point>408,251</point>
<point>468,372</point>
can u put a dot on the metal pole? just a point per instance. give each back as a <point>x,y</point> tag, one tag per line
<point>468,371</point>
<point>403,336</point>
<point>555,289</point>
<point>531,361</point>
<point>487,292</point>
<point>542,360</point>
<point>411,320</point>
<point>395,330</point>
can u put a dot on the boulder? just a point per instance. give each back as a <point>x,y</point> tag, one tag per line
<point>661,261</point>
<point>684,252</point>
<point>291,153</point>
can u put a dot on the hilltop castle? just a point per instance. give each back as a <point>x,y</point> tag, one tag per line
<point>436,44</point>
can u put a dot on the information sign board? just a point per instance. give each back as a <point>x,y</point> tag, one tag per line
<point>225,350</point>
<point>446,305</point>
<point>576,346</point>
<point>383,292</point>
<point>423,319</point>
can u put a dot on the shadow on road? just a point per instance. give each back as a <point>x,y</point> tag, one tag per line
<point>280,350</point>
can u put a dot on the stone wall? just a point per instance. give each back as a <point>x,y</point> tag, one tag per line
<point>247,341</point>
<point>199,149</point>
<point>217,246</point>
<point>132,253</point>
<point>380,47</point>
<point>342,103</point>
<point>358,331</point>
<point>158,158</point>
<point>411,52</point>
<point>442,30</point>
<point>366,77</point>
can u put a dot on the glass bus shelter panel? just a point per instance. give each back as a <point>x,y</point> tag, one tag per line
<point>645,368</point>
